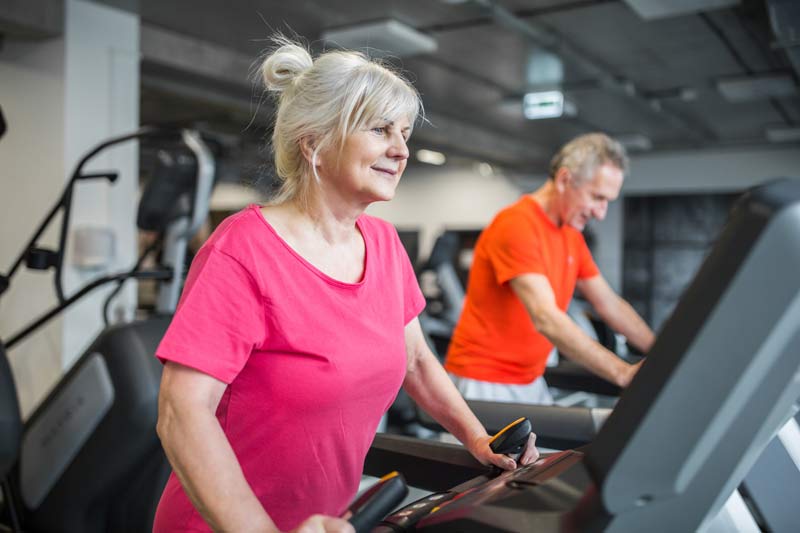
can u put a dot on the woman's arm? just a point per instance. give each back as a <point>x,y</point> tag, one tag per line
<point>203,459</point>
<point>428,384</point>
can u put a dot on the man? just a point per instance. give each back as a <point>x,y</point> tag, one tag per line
<point>526,266</point>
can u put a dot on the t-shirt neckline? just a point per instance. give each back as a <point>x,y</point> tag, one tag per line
<point>256,209</point>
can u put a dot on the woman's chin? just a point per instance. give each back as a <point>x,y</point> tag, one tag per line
<point>382,195</point>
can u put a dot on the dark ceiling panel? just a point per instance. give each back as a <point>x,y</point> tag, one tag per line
<point>244,24</point>
<point>654,54</point>
<point>791,107</point>
<point>740,122</point>
<point>752,54</point>
<point>614,114</point>
<point>656,78</point>
<point>487,52</point>
<point>241,25</point>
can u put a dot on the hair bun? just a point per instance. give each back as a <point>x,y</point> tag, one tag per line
<point>282,67</point>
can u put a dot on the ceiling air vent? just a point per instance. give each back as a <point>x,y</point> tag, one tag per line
<point>779,134</point>
<point>382,38</point>
<point>657,9</point>
<point>759,87</point>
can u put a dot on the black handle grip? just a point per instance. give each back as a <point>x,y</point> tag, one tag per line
<point>512,438</point>
<point>375,503</point>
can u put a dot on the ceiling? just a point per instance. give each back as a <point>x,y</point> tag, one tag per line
<point>653,82</point>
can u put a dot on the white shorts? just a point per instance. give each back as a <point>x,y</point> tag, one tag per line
<point>535,392</point>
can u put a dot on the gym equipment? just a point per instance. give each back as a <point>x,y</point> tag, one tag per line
<point>720,382</point>
<point>10,430</point>
<point>556,427</point>
<point>376,502</point>
<point>88,458</point>
<point>511,440</point>
<point>442,309</point>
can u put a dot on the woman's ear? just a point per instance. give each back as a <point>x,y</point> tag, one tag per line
<point>307,146</point>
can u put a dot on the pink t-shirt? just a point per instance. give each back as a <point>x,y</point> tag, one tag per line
<point>311,362</point>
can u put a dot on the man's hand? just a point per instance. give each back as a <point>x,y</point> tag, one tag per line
<point>630,372</point>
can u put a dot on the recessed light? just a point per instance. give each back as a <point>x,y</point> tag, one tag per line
<point>484,169</point>
<point>431,157</point>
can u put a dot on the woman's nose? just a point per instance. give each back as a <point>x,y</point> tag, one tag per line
<point>398,148</point>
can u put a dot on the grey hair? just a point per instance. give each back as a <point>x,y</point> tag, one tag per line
<point>584,154</point>
<point>325,100</point>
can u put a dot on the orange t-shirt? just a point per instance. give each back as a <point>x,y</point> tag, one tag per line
<point>495,339</point>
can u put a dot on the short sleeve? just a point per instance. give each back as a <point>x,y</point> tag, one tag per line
<point>511,250</point>
<point>587,268</point>
<point>219,320</point>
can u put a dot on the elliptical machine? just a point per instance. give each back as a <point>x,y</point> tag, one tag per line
<point>88,459</point>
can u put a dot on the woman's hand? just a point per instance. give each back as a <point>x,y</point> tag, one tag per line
<point>480,449</point>
<point>324,524</point>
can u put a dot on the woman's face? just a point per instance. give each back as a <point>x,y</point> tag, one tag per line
<point>370,164</point>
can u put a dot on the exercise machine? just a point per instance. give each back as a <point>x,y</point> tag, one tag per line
<point>88,459</point>
<point>721,381</point>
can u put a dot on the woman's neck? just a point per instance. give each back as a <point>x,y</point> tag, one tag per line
<point>332,223</point>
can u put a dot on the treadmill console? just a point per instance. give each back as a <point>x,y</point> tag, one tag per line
<point>468,506</point>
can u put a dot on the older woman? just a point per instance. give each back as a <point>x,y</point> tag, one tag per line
<point>297,324</point>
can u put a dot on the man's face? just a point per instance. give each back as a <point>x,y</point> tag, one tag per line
<point>589,199</point>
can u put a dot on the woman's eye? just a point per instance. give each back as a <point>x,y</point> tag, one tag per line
<point>379,130</point>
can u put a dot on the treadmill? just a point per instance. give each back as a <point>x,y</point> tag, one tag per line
<point>721,380</point>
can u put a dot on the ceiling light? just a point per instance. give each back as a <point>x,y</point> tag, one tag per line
<point>387,37</point>
<point>783,135</point>
<point>546,104</point>
<point>760,87</point>
<point>484,169</point>
<point>431,157</point>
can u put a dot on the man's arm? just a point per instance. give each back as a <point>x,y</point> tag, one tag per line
<point>616,312</point>
<point>537,295</point>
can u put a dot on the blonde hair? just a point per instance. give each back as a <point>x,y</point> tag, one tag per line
<point>325,100</point>
<point>583,154</point>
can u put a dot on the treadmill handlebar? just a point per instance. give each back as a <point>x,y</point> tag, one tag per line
<point>428,465</point>
<point>555,426</point>
<point>377,501</point>
<point>512,439</point>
